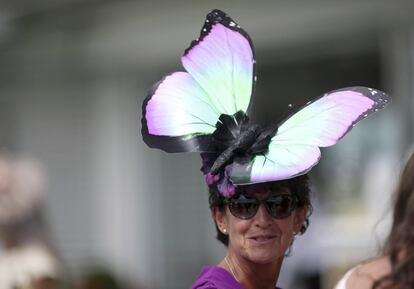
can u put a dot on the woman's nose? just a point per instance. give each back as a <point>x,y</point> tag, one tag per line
<point>262,218</point>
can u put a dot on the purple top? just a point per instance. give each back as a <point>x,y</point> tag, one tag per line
<point>214,277</point>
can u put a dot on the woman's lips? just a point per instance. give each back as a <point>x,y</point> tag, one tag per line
<point>262,238</point>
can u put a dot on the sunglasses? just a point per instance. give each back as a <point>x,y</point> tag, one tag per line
<point>278,206</point>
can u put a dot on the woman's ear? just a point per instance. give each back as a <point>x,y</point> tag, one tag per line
<point>300,218</point>
<point>219,217</point>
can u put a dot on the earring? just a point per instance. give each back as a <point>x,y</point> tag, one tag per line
<point>224,231</point>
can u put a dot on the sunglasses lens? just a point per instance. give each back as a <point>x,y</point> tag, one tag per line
<point>244,208</point>
<point>280,206</point>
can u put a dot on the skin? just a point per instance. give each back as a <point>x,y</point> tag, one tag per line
<point>256,262</point>
<point>364,276</point>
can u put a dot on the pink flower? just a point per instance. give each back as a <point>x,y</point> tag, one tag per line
<point>222,180</point>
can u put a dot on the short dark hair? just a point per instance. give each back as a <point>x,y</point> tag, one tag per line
<point>300,186</point>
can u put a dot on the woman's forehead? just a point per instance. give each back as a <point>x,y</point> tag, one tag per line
<point>262,188</point>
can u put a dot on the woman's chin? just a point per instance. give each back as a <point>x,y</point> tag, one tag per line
<point>265,254</point>
<point>263,257</point>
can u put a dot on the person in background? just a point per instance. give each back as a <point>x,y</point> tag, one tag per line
<point>394,269</point>
<point>27,259</point>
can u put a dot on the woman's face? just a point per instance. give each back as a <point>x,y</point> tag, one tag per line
<point>261,239</point>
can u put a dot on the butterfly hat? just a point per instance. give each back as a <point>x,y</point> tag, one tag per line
<point>206,109</point>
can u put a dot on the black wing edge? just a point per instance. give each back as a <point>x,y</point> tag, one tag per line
<point>218,16</point>
<point>199,143</point>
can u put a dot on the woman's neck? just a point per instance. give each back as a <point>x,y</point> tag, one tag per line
<point>252,275</point>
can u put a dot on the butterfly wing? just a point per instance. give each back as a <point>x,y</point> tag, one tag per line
<point>181,111</point>
<point>222,62</point>
<point>294,149</point>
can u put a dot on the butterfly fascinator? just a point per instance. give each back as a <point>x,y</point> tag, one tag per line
<point>206,109</point>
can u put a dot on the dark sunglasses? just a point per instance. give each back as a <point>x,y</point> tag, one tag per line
<point>278,206</point>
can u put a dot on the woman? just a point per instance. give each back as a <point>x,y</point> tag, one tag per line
<point>257,226</point>
<point>258,192</point>
<point>395,268</point>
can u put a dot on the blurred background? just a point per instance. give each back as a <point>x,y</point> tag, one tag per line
<point>74,73</point>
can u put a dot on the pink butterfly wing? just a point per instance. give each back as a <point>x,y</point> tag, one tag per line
<point>294,150</point>
<point>181,111</point>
